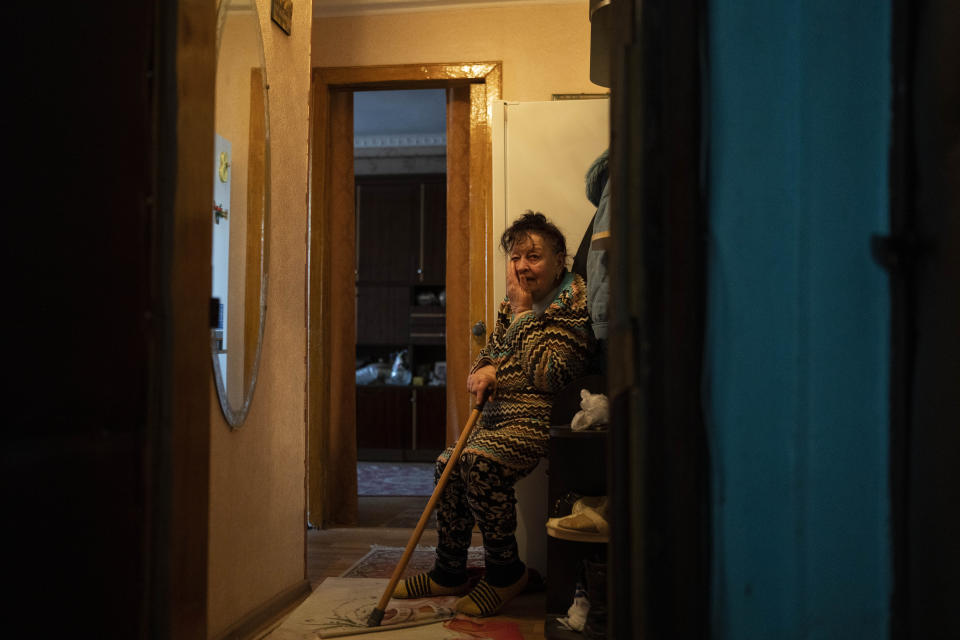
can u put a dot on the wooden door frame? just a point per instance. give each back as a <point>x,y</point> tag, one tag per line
<point>658,474</point>
<point>331,429</point>
<point>922,475</point>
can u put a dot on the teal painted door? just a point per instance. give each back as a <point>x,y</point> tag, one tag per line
<point>798,330</point>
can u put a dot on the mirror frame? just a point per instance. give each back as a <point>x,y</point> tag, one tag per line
<point>235,417</point>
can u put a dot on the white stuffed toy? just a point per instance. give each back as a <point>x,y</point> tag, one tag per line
<point>594,410</point>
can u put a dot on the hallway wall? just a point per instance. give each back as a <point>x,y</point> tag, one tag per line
<point>257,494</point>
<point>545,48</point>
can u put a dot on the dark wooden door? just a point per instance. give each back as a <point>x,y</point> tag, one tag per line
<point>384,419</point>
<point>923,255</point>
<point>104,465</point>
<point>383,314</point>
<point>387,219</point>
<point>431,413</point>
<point>433,231</point>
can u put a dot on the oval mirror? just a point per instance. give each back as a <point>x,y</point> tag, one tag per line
<point>240,215</point>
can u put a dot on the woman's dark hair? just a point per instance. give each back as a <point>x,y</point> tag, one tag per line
<point>533,222</point>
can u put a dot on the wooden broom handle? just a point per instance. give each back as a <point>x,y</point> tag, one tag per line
<point>425,516</point>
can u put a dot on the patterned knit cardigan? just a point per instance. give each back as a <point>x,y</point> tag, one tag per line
<point>535,358</point>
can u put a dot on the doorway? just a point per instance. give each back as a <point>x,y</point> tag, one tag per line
<point>470,91</point>
<point>400,239</point>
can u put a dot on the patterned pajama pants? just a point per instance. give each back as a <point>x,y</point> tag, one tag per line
<point>479,491</point>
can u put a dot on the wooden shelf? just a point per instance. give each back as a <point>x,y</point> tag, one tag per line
<point>577,465</point>
<point>564,431</point>
<point>572,539</point>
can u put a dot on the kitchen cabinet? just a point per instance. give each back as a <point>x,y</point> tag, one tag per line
<point>432,243</point>
<point>405,423</point>
<point>383,314</point>
<point>401,254</point>
<point>401,229</point>
<point>383,418</point>
<point>386,231</point>
<point>401,257</point>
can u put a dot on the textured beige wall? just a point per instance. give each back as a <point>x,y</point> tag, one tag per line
<point>257,523</point>
<point>545,48</point>
<point>257,473</point>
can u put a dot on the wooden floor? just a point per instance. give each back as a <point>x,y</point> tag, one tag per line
<point>330,552</point>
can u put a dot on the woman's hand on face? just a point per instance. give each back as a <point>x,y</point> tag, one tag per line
<point>520,298</point>
<point>482,380</point>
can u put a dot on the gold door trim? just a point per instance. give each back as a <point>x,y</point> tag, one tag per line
<point>472,90</point>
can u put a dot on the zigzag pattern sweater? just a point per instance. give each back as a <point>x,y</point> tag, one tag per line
<point>535,358</point>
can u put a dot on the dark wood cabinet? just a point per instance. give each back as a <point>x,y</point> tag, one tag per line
<point>401,229</point>
<point>427,324</point>
<point>433,230</point>
<point>401,254</point>
<point>578,467</point>
<point>384,418</point>
<point>401,422</point>
<point>431,418</point>
<point>383,314</point>
<point>387,229</point>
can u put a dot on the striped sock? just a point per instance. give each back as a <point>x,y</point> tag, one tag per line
<point>486,599</point>
<point>422,586</point>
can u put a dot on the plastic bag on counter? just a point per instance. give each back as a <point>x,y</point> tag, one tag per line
<point>372,373</point>
<point>400,374</point>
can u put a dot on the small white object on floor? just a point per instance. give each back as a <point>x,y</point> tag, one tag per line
<point>576,616</point>
<point>594,410</point>
<point>577,613</point>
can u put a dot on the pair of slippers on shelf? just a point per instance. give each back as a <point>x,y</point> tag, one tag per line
<point>587,521</point>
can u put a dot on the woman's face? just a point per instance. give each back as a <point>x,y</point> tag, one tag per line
<point>537,265</point>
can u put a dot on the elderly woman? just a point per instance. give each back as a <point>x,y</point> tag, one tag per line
<point>541,342</point>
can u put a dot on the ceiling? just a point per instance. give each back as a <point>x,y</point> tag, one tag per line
<point>323,8</point>
<point>392,113</point>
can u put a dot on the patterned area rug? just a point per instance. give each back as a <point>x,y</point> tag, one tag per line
<point>394,478</point>
<point>380,562</point>
<point>340,607</point>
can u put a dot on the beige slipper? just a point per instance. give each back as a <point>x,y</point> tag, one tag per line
<point>423,586</point>
<point>486,599</point>
<point>587,522</point>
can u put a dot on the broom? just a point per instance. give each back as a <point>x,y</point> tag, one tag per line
<point>376,616</point>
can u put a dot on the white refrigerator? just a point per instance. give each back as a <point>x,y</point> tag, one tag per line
<point>541,154</point>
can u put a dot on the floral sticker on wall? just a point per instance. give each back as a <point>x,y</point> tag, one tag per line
<point>219,213</point>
